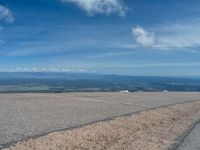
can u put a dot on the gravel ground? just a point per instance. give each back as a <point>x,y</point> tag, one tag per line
<point>148,130</point>
<point>27,115</point>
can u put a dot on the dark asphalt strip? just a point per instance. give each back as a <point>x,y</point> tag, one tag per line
<point>172,147</point>
<point>182,137</point>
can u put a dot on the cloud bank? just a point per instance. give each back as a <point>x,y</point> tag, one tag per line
<point>107,7</point>
<point>143,37</point>
<point>6,14</point>
<point>19,69</point>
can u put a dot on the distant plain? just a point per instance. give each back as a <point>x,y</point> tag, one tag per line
<point>59,82</point>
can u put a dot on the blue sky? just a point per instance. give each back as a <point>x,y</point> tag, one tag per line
<point>132,37</point>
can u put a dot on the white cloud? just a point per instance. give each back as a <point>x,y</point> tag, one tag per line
<point>1,41</point>
<point>178,36</point>
<point>183,36</point>
<point>6,14</point>
<point>43,69</point>
<point>143,37</point>
<point>107,7</point>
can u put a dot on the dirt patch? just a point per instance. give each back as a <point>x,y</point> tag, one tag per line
<point>148,130</point>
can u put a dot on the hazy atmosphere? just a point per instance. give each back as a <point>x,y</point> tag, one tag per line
<point>131,37</point>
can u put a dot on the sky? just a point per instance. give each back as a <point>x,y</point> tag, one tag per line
<point>129,37</point>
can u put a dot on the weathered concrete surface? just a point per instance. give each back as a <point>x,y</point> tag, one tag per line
<point>25,115</point>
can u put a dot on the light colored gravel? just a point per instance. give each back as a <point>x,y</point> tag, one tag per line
<point>148,130</point>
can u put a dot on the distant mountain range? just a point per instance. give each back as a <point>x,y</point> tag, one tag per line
<point>84,82</point>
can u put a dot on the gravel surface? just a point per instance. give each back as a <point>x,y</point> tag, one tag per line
<point>27,115</point>
<point>148,130</point>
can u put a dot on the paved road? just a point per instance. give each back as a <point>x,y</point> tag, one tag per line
<point>192,141</point>
<point>25,115</point>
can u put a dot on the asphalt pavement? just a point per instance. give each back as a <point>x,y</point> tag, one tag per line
<point>192,140</point>
<point>28,115</point>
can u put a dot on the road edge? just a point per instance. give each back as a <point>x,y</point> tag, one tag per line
<point>180,139</point>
